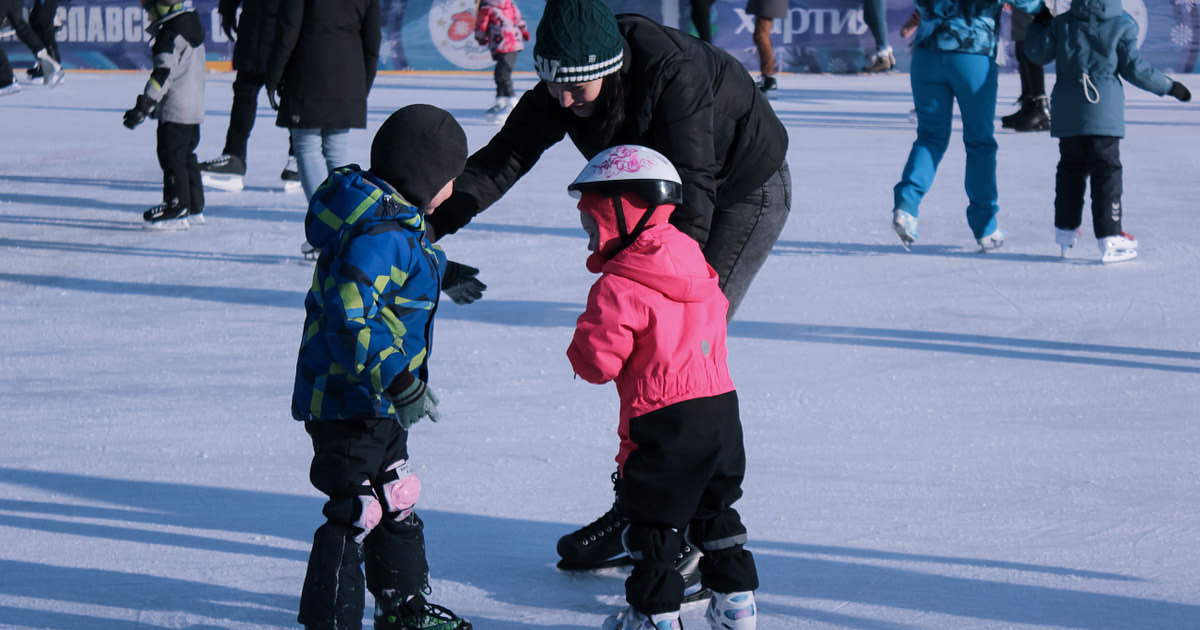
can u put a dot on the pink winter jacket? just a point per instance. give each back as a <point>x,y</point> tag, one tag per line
<point>655,323</point>
<point>500,27</point>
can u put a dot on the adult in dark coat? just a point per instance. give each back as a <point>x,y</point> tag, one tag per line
<point>322,67</point>
<point>609,80</point>
<point>253,34</point>
<point>669,91</point>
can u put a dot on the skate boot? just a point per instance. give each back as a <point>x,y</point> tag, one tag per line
<point>630,619</point>
<point>225,172</point>
<point>991,240</point>
<point>11,88</point>
<point>417,614</point>
<point>1033,115</point>
<point>498,112</point>
<point>196,217</point>
<point>1065,239</point>
<point>687,563</point>
<point>595,545</point>
<point>881,61</point>
<point>1118,248</point>
<point>732,611</point>
<point>905,225</point>
<point>166,216</point>
<point>767,84</point>
<point>291,176</point>
<point>52,72</point>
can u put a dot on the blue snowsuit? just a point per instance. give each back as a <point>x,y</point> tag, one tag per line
<point>954,58</point>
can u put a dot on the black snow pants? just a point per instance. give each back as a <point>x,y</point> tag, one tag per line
<point>349,465</point>
<point>181,172</point>
<point>1081,158</point>
<point>683,477</point>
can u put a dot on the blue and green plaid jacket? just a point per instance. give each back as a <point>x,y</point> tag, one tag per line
<point>374,293</point>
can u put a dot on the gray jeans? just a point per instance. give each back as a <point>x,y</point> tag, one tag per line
<point>742,235</point>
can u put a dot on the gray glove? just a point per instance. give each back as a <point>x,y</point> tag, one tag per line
<point>412,401</point>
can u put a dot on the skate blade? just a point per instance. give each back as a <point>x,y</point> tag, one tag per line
<point>292,186</point>
<point>195,219</point>
<point>618,561</point>
<point>1118,255</point>
<point>166,225</point>
<point>221,181</point>
<point>701,595</point>
<point>54,80</point>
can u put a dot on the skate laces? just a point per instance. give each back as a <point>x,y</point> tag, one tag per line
<point>418,614</point>
<point>603,526</point>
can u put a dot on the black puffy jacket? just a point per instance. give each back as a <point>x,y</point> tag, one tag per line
<point>692,102</point>
<point>255,32</point>
<point>324,62</point>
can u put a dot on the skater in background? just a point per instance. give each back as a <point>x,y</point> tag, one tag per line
<point>253,34</point>
<point>321,69</point>
<point>174,95</point>
<point>765,12</point>
<point>1094,46</point>
<point>500,27</point>
<point>875,15</point>
<point>362,375</point>
<point>46,54</point>
<point>1033,113</point>
<point>607,80</point>
<point>655,324</point>
<point>954,59</point>
<point>41,20</point>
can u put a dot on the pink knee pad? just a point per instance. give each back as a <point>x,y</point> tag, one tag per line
<point>401,489</point>
<point>370,512</point>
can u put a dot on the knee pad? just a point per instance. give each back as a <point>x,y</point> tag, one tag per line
<point>399,490</point>
<point>369,513</point>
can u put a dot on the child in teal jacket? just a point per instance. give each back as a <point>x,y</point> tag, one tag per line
<point>1094,46</point>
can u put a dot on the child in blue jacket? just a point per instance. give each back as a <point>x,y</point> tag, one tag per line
<point>1094,46</point>
<point>362,372</point>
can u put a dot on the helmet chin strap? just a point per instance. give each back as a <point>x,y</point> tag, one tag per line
<point>627,236</point>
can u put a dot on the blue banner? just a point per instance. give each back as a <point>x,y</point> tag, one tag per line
<point>816,36</point>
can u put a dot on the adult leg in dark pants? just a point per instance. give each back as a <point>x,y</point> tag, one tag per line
<point>702,19</point>
<point>246,86</point>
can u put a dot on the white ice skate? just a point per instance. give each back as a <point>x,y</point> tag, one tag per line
<point>291,176</point>
<point>905,225</point>
<point>630,619</point>
<point>732,611</point>
<point>1118,248</point>
<point>11,88</point>
<point>52,72</point>
<point>499,111</point>
<point>991,241</point>
<point>1066,239</point>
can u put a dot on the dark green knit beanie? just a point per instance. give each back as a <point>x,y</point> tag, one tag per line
<point>577,41</point>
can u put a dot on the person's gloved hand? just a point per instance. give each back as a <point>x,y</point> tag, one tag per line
<point>412,399</point>
<point>229,25</point>
<point>461,284</point>
<point>1043,16</point>
<point>1180,91</point>
<point>143,108</point>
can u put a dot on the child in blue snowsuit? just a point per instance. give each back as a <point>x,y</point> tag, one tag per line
<point>362,372</point>
<point>1094,46</point>
<point>954,59</point>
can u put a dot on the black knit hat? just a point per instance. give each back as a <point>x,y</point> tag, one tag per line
<point>417,150</point>
<point>577,41</point>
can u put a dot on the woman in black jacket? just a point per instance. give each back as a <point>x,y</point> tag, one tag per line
<point>322,67</point>
<point>608,80</point>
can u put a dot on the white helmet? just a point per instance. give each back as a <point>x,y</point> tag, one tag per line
<point>630,168</point>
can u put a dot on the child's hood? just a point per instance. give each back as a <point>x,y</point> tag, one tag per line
<point>186,23</point>
<point>668,261</point>
<point>1096,9</point>
<point>352,198</point>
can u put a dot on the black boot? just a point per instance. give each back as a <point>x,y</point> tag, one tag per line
<point>1034,115</point>
<point>595,545</point>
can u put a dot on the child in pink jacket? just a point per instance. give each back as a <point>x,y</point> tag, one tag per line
<point>655,324</point>
<point>500,27</point>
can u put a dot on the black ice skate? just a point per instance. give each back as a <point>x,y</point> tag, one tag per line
<point>418,614</point>
<point>1033,115</point>
<point>596,545</point>
<point>166,216</point>
<point>291,176</point>
<point>226,172</point>
<point>688,565</point>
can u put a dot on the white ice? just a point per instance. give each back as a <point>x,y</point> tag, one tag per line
<point>938,439</point>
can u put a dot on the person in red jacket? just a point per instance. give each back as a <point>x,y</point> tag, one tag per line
<point>655,324</point>
<point>500,27</point>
